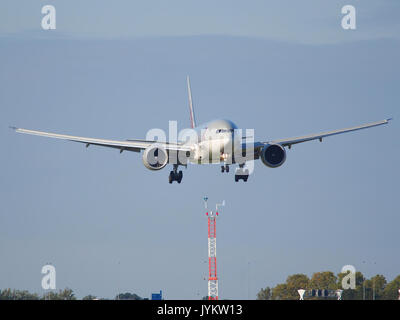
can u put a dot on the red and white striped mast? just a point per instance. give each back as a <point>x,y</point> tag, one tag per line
<point>212,251</point>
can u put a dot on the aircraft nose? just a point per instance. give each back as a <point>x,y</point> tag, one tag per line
<point>227,140</point>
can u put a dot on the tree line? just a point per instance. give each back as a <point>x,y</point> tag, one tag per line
<point>375,288</point>
<point>64,294</point>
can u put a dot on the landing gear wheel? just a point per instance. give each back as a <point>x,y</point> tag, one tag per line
<point>222,168</point>
<point>227,168</point>
<point>241,174</point>
<point>174,175</point>
<point>241,177</point>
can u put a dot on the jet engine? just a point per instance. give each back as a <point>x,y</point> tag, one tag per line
<point>273,155</point>
<point>155,157</point>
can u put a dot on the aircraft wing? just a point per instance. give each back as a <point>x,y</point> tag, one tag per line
<point>122,145</point>
<point>289,142</point>
<point>254,149</point>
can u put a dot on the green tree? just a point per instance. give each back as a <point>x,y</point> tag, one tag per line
<point>323,280</point>
<point>89,297</point>
<point>294,283</point>
<point>374,287</point>
<point>6,294</point>
<point>391,290</point>
<point>279,292</point>
<point>288,290</point>
<point>128,296</point>
<point>264,294</point>
<point>26,295</point>
<point>66,294</point>
<point>9,294</point>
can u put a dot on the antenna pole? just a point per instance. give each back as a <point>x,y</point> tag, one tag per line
<point>212,251</point>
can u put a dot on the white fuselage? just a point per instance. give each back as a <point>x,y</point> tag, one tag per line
<point>216,142</point>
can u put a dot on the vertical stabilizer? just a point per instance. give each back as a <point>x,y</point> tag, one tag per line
<point>192,117</point>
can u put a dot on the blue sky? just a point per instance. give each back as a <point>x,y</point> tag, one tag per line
<point>117,70</point>
<point>309,21</point>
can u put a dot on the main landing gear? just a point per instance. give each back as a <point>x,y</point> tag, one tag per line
<point>225,168</point>
<point>174,175</point>
<point>241,173</point>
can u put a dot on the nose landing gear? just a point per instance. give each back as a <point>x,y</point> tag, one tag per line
<point>225,168</point>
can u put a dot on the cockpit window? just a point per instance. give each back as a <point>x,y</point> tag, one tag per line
<point>224,130</point>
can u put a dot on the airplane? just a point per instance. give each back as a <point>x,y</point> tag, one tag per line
<point>217,141</point>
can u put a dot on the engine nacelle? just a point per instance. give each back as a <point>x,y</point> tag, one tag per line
<point>273,155</point>
<point>155,157</point>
